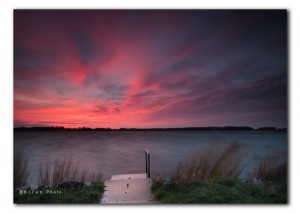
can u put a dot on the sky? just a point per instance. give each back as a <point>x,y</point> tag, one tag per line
<point>150,68</point>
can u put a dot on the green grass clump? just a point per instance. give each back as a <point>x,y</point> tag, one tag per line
<point>80,195</point>
<point>218,191</point>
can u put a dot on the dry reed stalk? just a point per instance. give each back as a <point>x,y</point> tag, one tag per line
<point>211,163</point>
<point>64,170</point>
<point>270,169</point>
<point>20,171</point>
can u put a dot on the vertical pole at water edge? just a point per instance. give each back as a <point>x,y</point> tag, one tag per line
<point>148,159</point>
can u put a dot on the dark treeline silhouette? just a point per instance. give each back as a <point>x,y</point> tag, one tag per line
<point>267,128</point>
<point>211,128</point>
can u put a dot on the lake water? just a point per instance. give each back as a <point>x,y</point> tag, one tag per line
<point>118,152</point>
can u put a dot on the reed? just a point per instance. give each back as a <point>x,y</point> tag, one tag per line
<point>64,170</point>
<point>211,175</point>
<point>211,163</point>
<point>270,170</point>
<point>20,171</point>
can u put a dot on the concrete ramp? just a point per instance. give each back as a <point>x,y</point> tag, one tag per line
<point>128,189</point>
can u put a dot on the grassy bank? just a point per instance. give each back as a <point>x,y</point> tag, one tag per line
<point>218,191</point>
<point>80,195</point>
<point>211,177</point>
<point>61,183</point>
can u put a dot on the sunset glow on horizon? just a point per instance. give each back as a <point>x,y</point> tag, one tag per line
<point>150,68</point>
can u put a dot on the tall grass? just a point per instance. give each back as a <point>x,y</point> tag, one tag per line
<point>211,163</point>
<point>64,170</point>
<point>20,171</point>
<point>270,170</point>
<point>52,176</point>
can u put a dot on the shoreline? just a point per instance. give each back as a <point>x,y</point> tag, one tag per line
<point>208,129</point>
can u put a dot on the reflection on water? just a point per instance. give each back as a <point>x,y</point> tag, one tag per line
<point>123,152</point>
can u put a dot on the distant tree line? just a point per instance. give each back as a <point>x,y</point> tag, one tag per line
<point>211,128</point>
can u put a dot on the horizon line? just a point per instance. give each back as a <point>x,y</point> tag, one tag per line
<point>154,128</point>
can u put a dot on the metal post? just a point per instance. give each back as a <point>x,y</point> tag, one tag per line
<point>148,165</point>
<point>146,157</point>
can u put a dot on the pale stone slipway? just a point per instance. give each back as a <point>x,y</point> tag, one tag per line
<point>128,189</point>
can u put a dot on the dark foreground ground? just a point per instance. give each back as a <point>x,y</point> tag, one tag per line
<point>220,191</point>
<point>81,195</point>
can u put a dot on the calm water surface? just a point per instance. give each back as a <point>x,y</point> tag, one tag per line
<point>123,152</point>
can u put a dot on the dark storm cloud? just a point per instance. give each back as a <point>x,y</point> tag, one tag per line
<point>112,109</point>
<point>86,47</point>
<point>264,98</point>
<point>32,60</point>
